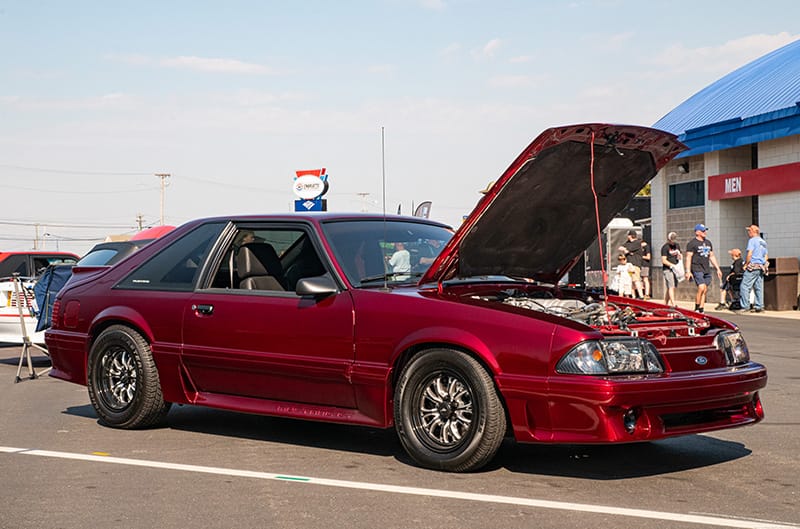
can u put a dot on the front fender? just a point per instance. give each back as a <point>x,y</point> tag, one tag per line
<point>453,336</point>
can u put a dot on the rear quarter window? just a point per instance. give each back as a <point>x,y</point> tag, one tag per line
<point>176,267</point>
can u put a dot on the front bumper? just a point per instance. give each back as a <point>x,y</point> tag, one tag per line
<point>587,409</point>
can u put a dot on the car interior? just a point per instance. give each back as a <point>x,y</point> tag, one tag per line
<point>271,260</point>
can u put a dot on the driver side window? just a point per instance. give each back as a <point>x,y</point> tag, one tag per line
<point>267,259</point>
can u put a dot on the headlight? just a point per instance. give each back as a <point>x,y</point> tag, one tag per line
<point>734,347</point>
<point>611,357</point>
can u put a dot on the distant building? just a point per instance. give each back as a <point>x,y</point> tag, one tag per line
<point>742,166</point>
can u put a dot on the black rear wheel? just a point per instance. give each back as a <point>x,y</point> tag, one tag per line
<point>123,381</point>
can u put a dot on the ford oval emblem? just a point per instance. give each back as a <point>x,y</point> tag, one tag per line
<point>701,360</point>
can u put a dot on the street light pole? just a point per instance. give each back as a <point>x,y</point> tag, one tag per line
<point>163,177</point>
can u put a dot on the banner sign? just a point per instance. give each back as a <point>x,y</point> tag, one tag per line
<point>764,181</point>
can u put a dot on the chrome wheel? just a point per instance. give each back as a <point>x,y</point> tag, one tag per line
<point>445,411</point>
<point>117,378</point>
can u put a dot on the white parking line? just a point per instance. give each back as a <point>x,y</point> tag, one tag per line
<point>395,489</point>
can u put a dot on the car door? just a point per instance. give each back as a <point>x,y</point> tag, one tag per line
<point>248,335</point>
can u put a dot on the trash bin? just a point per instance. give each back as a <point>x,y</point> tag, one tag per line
<point>780,286</point>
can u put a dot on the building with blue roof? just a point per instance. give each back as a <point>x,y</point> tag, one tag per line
<point>742,166</point>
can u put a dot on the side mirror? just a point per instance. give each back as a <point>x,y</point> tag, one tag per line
<point>318,287</point>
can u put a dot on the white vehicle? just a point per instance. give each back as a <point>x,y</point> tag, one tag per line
<point>10,304</point>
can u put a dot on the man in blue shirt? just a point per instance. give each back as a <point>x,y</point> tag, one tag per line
<point>755,266</point>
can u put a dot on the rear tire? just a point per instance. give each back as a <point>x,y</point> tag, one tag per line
<point>447,412</point>
<point>123,381</point>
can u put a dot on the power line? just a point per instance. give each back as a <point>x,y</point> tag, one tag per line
<point>61,225</point>
<point>68,171</point>
<point>60,192</point>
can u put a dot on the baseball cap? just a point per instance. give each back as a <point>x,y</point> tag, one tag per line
<point>700,227</point>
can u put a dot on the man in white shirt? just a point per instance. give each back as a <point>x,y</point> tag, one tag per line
<point>401,259</point>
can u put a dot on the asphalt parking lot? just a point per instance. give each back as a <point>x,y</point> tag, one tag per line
<point>208,468</point>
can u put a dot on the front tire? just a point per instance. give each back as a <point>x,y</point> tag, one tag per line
<point>123,381</point>
<point>447,412</point>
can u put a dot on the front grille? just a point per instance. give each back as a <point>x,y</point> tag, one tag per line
<point>673,421</point>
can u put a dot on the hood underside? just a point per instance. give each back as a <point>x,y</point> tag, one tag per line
<point>539,217</point>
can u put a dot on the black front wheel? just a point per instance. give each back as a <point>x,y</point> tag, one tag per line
<point>447,412</point>
<point>123,381</point>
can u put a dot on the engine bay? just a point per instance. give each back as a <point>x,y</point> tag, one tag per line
<point>620,314</point>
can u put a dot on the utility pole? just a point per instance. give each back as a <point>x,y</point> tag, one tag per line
<point>163,177</point>
<point>140,220</point>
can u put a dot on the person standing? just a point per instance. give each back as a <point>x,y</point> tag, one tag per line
<point>632,249</point>
<point>670,255</point>
<point>732,282</point>
<point>646,269</point>
<point>624,279</point>
<point>699,259</point>
<point>755,267</point>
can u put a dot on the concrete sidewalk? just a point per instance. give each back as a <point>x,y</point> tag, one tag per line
<point>709,308</point>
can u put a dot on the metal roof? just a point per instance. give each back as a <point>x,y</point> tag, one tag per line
<point>757,102</point>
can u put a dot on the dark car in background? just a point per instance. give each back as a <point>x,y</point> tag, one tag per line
<point>331,317</point>
<point>111,252</point>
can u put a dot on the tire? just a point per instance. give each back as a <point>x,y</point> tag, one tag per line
<point>447,412</point>
<point>123,380</point>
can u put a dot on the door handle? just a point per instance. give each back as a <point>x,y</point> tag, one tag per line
<point>203,309</point>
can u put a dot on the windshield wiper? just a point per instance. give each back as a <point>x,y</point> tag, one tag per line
<point>389,276</point>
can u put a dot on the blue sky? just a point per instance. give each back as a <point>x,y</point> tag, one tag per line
<point>232,97</point>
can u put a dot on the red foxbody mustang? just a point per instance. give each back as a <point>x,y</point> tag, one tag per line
<point>455,339</point>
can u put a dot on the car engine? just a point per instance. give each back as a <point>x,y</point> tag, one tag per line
<point>589,311</point>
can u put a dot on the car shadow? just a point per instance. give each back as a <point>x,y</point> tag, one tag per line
<point>86,411</point>
<point>596,462</point>
<point>357,439</point>
<point>333,436</point>
<point>613,462</point>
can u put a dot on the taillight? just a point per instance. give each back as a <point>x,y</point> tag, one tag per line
<point>71,312</point>
<point>54,315</point>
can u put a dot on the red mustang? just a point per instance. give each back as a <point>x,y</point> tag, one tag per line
<point>455,339</point>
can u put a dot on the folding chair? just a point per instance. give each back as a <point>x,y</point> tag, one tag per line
<point>21,295</point>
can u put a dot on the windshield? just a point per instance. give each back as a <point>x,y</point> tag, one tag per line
<point>374,251</point>
<point>98,257</point>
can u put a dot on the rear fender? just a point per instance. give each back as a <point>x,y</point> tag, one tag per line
<point>120,314</point>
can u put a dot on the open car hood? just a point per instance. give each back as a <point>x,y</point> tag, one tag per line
<point>539,216</point>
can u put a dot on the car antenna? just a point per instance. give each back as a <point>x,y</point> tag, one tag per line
<point>383,175</point>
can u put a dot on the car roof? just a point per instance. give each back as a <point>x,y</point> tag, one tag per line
<point>5,255</point>
<point>315,217</point>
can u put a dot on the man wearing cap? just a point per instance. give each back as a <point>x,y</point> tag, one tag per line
<point>699,253</point>
<point>755,267</point>
<point>670,256</point>
<point>633,249</point>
